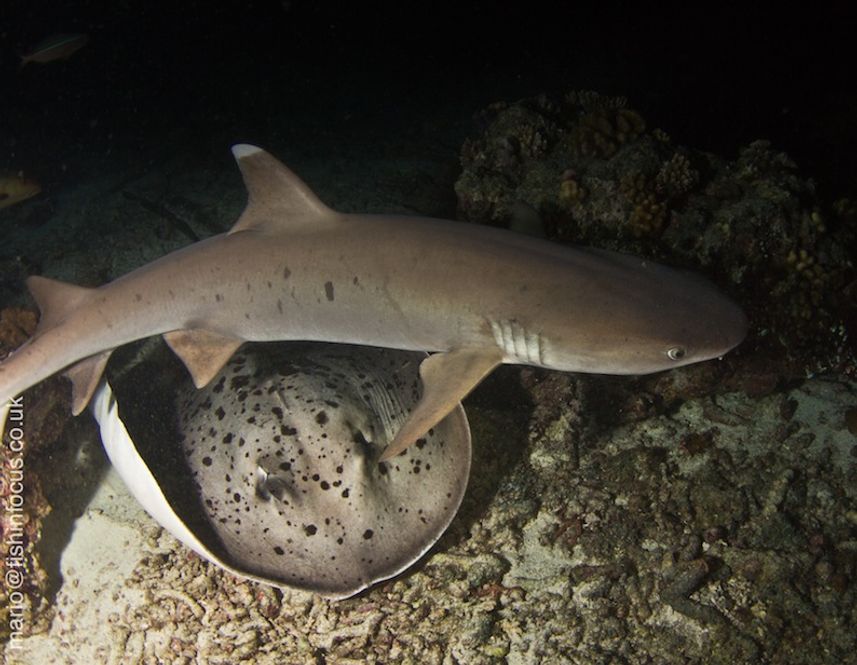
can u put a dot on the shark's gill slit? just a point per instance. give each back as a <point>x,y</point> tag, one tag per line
<point>517,342</point>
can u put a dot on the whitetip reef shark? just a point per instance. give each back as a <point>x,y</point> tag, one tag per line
<point>294,269</point>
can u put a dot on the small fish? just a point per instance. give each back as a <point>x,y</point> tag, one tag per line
<point>16,188</point>
<point>55,47</point>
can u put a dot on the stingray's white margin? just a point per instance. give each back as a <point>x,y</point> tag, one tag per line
<point>133,470</point>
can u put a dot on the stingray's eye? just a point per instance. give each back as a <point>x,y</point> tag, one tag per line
<point>676,353</point>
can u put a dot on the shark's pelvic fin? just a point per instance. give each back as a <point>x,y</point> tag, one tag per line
<point>447,379</point>
<point>56,300</point>
<point>204,353</point>
<point>85,376</point>
<point>277,197</point>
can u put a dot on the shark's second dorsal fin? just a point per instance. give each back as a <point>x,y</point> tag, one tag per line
<point>277,197</point>
<point>56,300</point>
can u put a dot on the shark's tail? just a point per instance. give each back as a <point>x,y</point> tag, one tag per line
<point>34,361</point>
<point>57,301</point>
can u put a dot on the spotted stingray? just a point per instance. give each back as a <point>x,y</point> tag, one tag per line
<point>271,470</point>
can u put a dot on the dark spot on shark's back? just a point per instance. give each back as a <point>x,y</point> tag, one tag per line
<point>328,290</point>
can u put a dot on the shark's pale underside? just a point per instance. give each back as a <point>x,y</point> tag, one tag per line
<point>293,269</point>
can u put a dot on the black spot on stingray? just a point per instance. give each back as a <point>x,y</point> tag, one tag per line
<point>431,431</point>
<point>236,497</point>
<point>286,272</point>
<point>325,485</point>
<point>310,529</point>
<point>345,493</point>
<point>328,290</point>
<point>278,550</point>
<point>286,466</point>
<point>315,477</point>
<point>355,280</point>
<point>420,443</point>
<point>241,442</point>
<point>251,420</point>
<point>285,430</point>
<point>218,297</point>
<point>239,381</point>
<point>228,478</point>
<point>368,534</point>
<point>218,387</point>
<point>339,541</point>
<point>227,438</point>
<point>220,413</point>
<point>321,418</point>
<point>206,460</point>
<point>332,404</point>
<point>382,468</point>
<point>339,469</point>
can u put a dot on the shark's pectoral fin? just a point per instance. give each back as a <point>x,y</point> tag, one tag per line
<point>447,379</point>
<point>204,353</point>
<point>85,376</point>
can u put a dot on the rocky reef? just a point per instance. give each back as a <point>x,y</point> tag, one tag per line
<point>703,515</point>
<point>588,167</point>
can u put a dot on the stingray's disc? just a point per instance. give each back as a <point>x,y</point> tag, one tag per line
<point>272,470</point>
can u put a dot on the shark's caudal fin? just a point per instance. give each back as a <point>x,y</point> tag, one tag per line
<point>56,301</point>
<point>447,379</point>
<point>278,199</point>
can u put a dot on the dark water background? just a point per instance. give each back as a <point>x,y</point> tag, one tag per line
<point>714,77</point>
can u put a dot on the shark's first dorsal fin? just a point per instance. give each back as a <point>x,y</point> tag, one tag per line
<point>56,300</point>
<point>277,197</point>
<point>204,353</point>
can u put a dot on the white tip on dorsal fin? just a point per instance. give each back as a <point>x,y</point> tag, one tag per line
<point>277,197</point>
<point>55,299</point>
<point>204,353</point>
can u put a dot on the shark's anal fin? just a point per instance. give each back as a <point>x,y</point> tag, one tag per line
<point>85,376</point>
<point>447,379</point>
<point>204,353</point>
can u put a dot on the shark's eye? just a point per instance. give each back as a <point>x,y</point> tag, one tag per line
<point>676,353</point>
